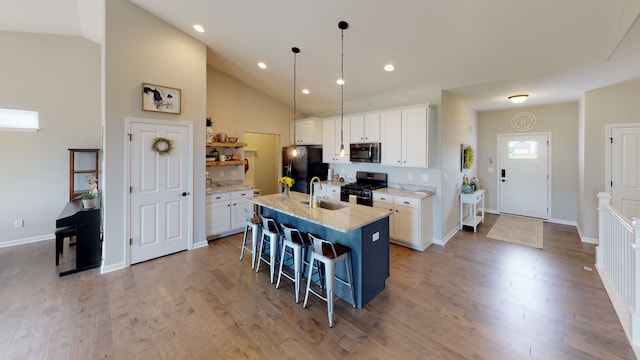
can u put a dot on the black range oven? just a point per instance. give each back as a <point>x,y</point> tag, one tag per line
<point>363,188</point>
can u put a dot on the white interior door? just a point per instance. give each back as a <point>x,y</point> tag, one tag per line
<point>160,220</point>
<point>523,178</point>
<point>625,170</point>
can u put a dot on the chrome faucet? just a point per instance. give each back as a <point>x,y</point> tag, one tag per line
<point>312,199</point>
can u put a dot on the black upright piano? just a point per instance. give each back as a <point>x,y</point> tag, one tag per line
<point>87,223</point>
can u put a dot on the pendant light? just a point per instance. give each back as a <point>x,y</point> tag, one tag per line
<point>294,148</point>
<point>342,25</point>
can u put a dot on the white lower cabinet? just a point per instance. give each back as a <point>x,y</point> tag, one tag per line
<point>410,223</point>
<point>386,202</point>
<point>225,212</point>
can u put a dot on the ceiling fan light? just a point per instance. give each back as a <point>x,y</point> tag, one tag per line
<point>518,99</point>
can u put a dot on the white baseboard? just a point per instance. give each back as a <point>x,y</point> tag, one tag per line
<point>563,222</point>
<point>107,269</point>
<point>447,237</point>
<point>27,240</point>
<point>200,244</point>
<point>586,239</point>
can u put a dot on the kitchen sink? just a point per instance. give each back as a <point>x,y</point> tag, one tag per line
<point>328,205</point>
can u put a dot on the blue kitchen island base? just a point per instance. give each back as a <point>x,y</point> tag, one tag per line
<point>369,246</point>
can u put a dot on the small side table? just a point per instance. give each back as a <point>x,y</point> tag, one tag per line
<point>472,201</point>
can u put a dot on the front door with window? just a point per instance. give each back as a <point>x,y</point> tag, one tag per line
<point>523,177</point>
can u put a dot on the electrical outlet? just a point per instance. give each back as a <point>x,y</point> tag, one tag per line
<point>410,176</point>
<point>18,223</point>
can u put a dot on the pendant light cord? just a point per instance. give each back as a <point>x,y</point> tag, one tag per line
<point>342,25</point>
<point>342,89</point>
<point>295,54</point>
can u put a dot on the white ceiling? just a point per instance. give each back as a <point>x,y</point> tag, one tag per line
<point>484,50</point>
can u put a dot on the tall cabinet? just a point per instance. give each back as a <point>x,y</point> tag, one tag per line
<point>406,135</point>
<point>83,165</point>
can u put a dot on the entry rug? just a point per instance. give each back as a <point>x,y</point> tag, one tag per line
<point>518,230</point>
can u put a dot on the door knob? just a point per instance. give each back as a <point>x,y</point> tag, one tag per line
<point>184,194</point>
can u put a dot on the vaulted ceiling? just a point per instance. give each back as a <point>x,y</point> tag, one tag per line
<point>483,50</point>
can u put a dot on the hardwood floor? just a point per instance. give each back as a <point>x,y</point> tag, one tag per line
<point>474,298</point>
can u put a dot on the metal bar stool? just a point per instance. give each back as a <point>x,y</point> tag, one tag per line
<point>329,254</point>
<point>252,223</point>
<point>271,235</point>
<point>298,245</point>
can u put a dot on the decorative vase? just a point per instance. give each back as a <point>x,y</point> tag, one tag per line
<point>89,203</point>
<point>286,192</point>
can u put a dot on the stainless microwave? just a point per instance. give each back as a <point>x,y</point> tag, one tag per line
<point>365,152</point>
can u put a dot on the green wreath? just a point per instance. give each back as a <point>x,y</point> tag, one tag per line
<point>162,145</point>
<point>468,157</point>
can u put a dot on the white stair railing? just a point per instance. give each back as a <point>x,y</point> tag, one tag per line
<point>618,263</point>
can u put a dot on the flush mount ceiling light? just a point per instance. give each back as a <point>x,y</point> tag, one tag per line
<point>198,28</point>
<point>305,91</point>
<point>262,65</point>
<point>389,67</point>
<point>517,99</point>
<point>342,25</point>
<point>294,148</point>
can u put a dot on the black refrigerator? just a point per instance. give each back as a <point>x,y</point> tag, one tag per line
<point>304,167</point>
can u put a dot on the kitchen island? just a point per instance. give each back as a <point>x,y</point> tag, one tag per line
<point>365,230</point>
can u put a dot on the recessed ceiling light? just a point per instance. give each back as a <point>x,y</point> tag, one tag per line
<point>305,91</point>
<point>340,82</point>
<point>517,99</point>
<point>262,65</point>
<point>198,28</point>
<point>389,67</point>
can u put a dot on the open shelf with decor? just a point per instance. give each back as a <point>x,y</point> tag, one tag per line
<point>233,151</point>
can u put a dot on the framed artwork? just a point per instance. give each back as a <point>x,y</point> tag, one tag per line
<point>161,98</point>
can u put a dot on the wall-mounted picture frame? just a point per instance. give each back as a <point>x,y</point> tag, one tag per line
<point>161,99</point>
<point>466,157</point>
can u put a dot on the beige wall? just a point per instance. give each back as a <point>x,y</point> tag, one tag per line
<point>236,108</point>
<point>459,126</point>
<point>264,161</point>
<point>58,76</point>
<point>615,104</point>
<point>142,48</point>
<point>561,120</point>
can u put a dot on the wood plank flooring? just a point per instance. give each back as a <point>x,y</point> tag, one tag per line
<point>475,298</point>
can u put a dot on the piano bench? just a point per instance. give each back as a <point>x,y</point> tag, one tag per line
<point>61,234</point>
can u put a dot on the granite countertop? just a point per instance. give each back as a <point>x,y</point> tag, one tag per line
<point>416,194</point>
<point>219,189</point>
<point>346,219</point>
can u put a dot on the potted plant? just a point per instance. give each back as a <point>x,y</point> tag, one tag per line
<point>88,199</point>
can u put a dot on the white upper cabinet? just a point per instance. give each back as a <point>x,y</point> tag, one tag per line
<point>365,128</point>
<point>332,138</point>
<point>307,132</point>
<point>391,138</point>
<point>405,137</point>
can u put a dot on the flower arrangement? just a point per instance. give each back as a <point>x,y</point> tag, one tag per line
<point>93,184</point>
<point>286,183</point>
